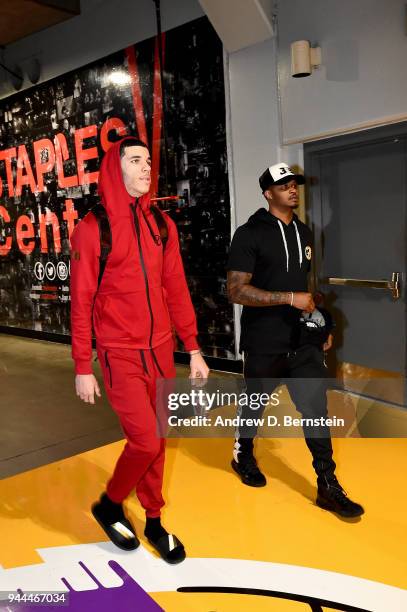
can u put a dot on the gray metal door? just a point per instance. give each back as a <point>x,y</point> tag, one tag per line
<point>358,209</point>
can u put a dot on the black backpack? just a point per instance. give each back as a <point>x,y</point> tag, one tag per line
<point>106,235</point>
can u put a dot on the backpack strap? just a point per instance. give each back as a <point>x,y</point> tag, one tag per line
<point>161,224</point>
<point>105,235</point>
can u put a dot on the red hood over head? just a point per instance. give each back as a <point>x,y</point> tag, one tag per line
<point>111,188</point>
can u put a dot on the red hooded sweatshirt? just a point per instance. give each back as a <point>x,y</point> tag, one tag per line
<point>143,289</point>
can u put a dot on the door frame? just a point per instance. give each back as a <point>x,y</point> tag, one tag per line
<point>312,168</point>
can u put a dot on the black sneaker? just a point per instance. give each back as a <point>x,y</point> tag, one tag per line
<point>332,497</point>
<point>249,472</point>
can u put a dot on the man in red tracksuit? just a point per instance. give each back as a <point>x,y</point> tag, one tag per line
<point>142,292</point>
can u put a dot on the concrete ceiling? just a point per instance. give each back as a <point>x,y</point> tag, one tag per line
<point>19,18</point>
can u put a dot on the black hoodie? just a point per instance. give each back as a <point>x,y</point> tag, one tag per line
<point>279,258</point>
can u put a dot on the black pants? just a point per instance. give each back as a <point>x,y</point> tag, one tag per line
<point>263,373</point>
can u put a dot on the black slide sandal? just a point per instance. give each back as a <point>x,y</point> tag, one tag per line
<point>169,548</point>
<point>121,533</point>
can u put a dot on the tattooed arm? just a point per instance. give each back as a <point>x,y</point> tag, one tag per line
<point>240,291</point>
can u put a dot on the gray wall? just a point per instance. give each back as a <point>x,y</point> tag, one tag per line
<point>254,133</point>
<point>360,84</point>
<point>362,80</point>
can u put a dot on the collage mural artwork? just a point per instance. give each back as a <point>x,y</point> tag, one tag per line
<point>52,138</point>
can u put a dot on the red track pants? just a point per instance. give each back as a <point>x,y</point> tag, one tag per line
<point>130,381</point>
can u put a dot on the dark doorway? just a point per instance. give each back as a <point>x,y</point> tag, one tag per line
<point>357,207</point>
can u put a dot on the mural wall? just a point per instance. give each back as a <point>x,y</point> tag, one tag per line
<point>52,138</point>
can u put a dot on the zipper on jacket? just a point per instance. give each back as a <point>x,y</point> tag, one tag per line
<point>143,267</point>
<point>108,367</point>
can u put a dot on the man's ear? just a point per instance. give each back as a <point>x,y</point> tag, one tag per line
<point>267,194</point>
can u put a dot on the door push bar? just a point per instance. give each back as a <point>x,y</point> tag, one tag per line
<point>392,285</point>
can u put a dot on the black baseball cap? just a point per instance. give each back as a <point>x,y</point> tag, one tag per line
<point>278,175</point>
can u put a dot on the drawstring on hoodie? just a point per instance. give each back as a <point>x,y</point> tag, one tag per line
<point>285,243</point>
<point>299,244</point>
<point>284,240</point>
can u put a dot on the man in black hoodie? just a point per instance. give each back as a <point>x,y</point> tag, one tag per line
<point>268,266</point>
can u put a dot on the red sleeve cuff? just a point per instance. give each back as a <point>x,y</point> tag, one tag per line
<point>191,344</point>
<point>83,366</point>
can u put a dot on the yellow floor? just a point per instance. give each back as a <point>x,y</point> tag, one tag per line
<point>217,517</point>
